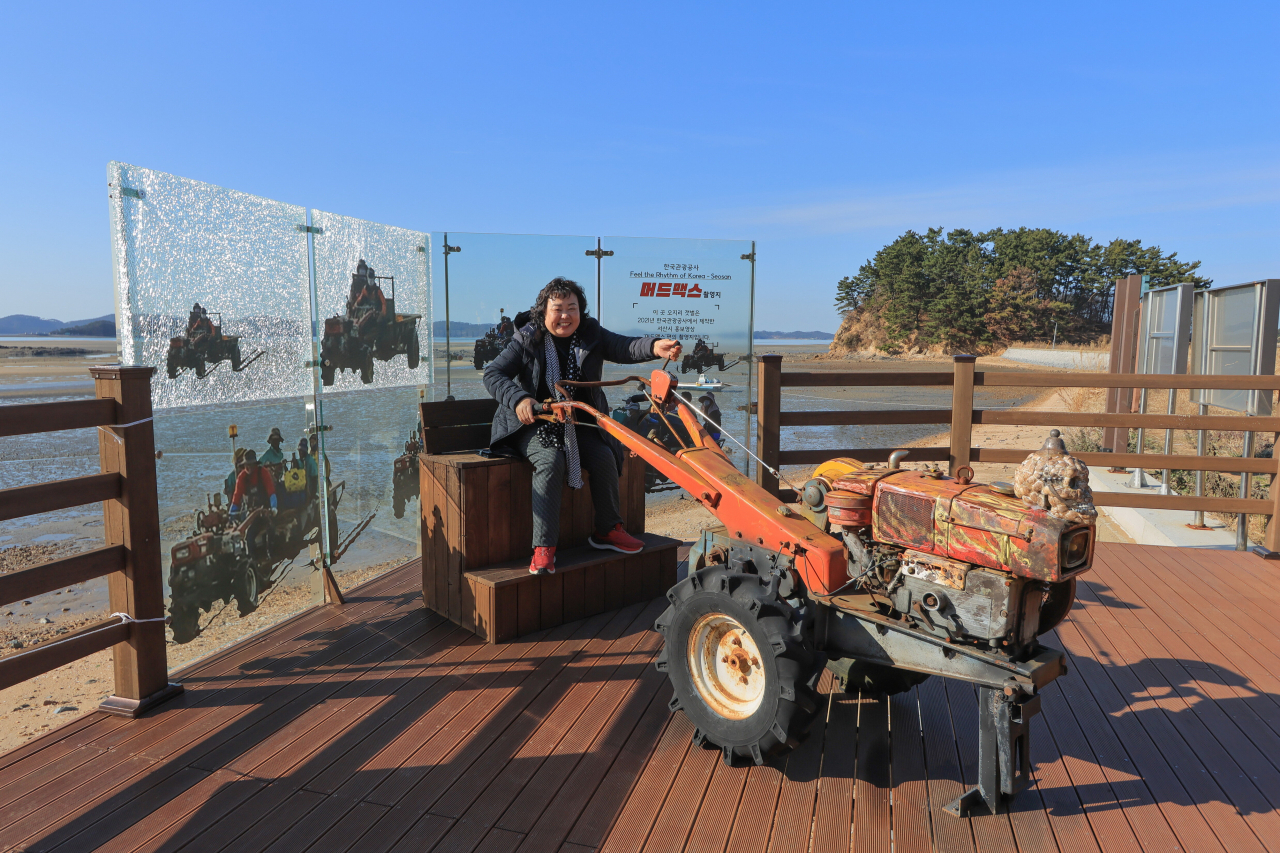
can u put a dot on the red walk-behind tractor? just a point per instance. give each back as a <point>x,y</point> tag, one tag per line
<point>882,575</point>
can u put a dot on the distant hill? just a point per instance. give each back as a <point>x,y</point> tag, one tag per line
<point>104,328</point>
<point>458,329</point>
<point>796,336</point>
<point>25,324</point>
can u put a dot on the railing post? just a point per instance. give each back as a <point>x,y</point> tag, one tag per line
<point>768,433</point>
<point>961,412</point>
<point>1271,541</point>
<point>128,448</point>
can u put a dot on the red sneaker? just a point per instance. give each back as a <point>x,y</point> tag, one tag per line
<point>544,561</point>
<point>616,539</point>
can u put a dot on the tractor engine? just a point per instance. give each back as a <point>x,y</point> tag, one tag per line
<point>967,563</point>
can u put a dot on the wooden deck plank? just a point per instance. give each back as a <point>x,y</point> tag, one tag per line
<point>793,825</point>
<point>833,818</point>
<point>508,737</point>
<point>631,830</point>
<point>710,832</point>
<point>480,796</point>
<point>1218,804</point>
<point>1205,605</point>
<point>69,810</point>
<point>674,821</point>
<point>560,815</point>
<point>611,794</point>
<point>223,736</point>
<point>942,763</point>
<point>1069,823</point>
<point>871,817</point>
<point>911,828</point>
<point>1200,653</point>
<point>757,810</point>
<point>1157,823</point>
<point>611,700</point>
<point>355,724</point>
<point>474,692</point>
<point>1254,659</point>
<point>277,730</point>
<point>119,820</point>
<point>256,669</point>
<point>433,769</point>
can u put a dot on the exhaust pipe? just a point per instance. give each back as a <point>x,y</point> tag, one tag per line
<point>895,459</point>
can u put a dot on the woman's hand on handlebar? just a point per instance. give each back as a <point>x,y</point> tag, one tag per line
<point>667,349</point>
<point>524,411</point>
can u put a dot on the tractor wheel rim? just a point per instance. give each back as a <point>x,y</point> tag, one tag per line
<point>725,666</point>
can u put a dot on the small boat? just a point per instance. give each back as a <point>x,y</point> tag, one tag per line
<point>703,384</point>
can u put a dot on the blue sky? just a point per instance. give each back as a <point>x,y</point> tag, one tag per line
<point>820,130</point>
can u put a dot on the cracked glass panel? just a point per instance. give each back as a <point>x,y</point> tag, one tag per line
<point>373,301</point>
<point>178,244</point>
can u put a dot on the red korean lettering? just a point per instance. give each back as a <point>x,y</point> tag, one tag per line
<point>646,288</point>
<point>664,289</point>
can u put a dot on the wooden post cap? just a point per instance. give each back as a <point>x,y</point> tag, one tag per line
<point>116,371</point>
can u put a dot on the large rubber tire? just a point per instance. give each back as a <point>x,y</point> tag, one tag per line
<point>875,678</point>
<point>366,369</point>
<point>413,354</point>
<point>235,357</point>
<point>478,361</point>
<point>707,610</point>
<point>246,588</point>
<point>171,366</point>
<point>184,619</point>
<point>200,368</point>
<point>1056,605</point>
<point>326,373</point>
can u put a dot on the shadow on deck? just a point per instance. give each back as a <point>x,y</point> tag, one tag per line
<point>380,727</point>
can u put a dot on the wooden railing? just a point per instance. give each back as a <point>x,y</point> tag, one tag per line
<point>962,417</point>
<point>130,559</point>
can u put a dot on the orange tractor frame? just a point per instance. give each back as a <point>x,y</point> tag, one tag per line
<point>881,575</point>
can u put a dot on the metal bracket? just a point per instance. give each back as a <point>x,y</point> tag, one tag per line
<point>310,229</point>
<point>422,248</point>
<point>599,253</point>
<point>130,192</point>
<point>750,256</point>
<point>1004,750</point>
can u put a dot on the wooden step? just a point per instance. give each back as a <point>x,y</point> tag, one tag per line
<point>503,601</point>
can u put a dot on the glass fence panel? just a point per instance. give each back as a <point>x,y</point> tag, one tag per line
<point>211,288</point>
<point>373,294</point>
<point>697,292</point>
<point>240,519</point>
<point>370,449</point>
<point>490,277</point>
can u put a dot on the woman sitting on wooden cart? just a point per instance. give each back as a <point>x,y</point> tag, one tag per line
<point>561,341</point>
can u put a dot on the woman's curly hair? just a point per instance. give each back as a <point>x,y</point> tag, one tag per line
<point>558,288</point>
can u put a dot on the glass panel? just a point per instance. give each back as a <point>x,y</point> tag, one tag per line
<point>370,452</point>
<point>695,291</point>
<point>1233,317</point>
<point>495,276</point>
<point>1228,320</point>
<point>178,244</point>
<point>229,574</point>
<point>373,289</point>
